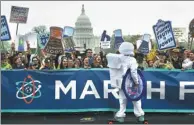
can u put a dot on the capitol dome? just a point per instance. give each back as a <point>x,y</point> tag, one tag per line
<point>83,35</point>
<point>83,20</point>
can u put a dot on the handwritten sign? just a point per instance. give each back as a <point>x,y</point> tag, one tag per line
<point>5,33</point>
<point>19,14</point>
<point>164,35</point>
<point>55,45</point>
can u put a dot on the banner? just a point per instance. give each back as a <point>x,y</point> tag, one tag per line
<point>89,90</point>
<point>105,40</point>
<point>5,33</point>
<point>164,35</point>
<point>19,14</point>
<point>55,45</point>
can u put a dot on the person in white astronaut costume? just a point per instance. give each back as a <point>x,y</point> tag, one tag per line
<point>118,65</point>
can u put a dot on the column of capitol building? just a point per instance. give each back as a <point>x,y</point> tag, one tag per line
<point>84,33</point>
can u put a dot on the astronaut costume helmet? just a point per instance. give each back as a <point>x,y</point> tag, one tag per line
<point>127,48</point>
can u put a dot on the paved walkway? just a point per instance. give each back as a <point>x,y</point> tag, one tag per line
<point>100,118</point>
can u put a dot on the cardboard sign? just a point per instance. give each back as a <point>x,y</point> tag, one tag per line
<point>19,14</point>
<point>164,35</point>
<point>5,33</point>
<point>55,45</point>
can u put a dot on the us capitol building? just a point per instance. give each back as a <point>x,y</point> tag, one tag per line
<point>83,36</point>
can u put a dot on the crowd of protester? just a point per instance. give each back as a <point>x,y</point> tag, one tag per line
<point>177,58</point>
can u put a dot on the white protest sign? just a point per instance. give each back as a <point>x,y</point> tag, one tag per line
<point>180,34</point>
<point>32,38</point>
<point>164,35</point>
<point>105,45</point>
<point>19,14</point>
<point>20,43</point>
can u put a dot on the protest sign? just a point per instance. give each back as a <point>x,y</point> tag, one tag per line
<point>43,39</point>
<point>19,14</point>
<point>164,35</point>
<point>5,33</point>
<point>32,38</point>
<point>55,45</point>
<point>105,40</point>
<point>118,38</point>
<point>180,34</point>
<point>144,45</point>
<point>68,31</point>
<point>20,43</point>
<point>69,44</point>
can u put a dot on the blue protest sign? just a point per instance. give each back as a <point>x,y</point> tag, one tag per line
<point>5,33</point>
<point>68,31</point>
<point>118,38</point>
<point>43,39</point>
<point>164,35</point>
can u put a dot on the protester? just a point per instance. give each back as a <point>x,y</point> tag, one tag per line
<point>86,63</point>
<point>176,59</point>
<point>4,62</point>
<point>70,63</point>
<point>46,64</point>
<point>97,63</point>
<point>187,63</point>
<point>89,55</point>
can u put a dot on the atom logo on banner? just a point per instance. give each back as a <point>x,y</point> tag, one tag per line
<point>28,89</point>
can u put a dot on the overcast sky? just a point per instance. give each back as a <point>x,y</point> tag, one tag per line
<point>133,17</point>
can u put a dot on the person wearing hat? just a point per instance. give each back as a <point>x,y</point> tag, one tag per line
<point>118,65</point>
<point>176,61</point>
